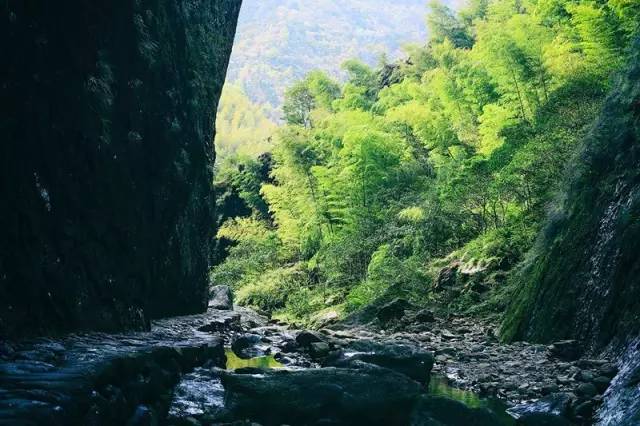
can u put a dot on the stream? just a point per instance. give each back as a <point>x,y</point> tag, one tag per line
<point>237,367</point>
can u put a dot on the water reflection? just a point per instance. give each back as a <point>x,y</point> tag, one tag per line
<point>439,386</point>
<point>234,362</point>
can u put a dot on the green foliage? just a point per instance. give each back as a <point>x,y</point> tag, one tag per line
<point>454,158</point>
<point>445,25</point>
<point>299,102</point>
<point>245,175</point>
<point>242,127</point>
<point>316,91</point>
<point>278,42</point>
<point>579,279</point>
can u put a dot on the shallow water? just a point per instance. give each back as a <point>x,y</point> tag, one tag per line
<point>202,391</point>
<point>234,362</point>
<point>439,386</point>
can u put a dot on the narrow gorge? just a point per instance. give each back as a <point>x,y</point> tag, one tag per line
<point>451,238</point>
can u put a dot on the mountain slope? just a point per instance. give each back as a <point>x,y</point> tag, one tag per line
<point>280,41</point>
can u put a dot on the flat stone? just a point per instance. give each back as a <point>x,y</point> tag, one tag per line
<point>410,361</point>
<point>368,395</point>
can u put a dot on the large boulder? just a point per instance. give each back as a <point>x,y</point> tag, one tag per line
<point>441,411</point>
<point>371,396</point>
<point>392,310</point>
<point>568,350</point>
<point>306,338</point>
<point>221,297</point>
<point>245,345</point>
<point>404,359</point>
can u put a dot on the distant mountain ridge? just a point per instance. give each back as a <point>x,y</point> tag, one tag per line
<point>278,41</point>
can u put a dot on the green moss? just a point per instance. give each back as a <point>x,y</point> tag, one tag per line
<point>580,280</point>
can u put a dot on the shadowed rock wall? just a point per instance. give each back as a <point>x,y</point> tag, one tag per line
<point>583,280</point>
<point>106,200</point>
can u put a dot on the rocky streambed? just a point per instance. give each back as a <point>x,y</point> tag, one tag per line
<point>236,367</point>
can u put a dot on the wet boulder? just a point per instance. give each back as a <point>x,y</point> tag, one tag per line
<point>221,298</point>
<point>306,338</point>
<point>369,395</point>
<point>319,350</point>
<point>404,359</point>
<point>392,310</point>
<point>568,350</point>
<point>245,346</point>
<point>441,411</point>
<point>424,315</point>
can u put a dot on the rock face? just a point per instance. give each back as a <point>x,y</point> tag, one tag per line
<point>583,280</point>
<point>221,298</point>
<point>106,200</point>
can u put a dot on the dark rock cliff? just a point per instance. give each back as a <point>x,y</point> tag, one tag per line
<point>583,279</point>
<point>106,199</point>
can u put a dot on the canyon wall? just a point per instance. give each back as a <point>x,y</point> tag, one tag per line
<point>106,199</point>
<point>582,281</point>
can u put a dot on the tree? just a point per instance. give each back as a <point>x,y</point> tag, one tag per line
<point>361,90</point>
<point>323,89</point>
<point>454,155</point>
<point>316,90</point>
<point>299,102</point>
<point>444,25</point>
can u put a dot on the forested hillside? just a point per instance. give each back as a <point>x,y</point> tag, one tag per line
<point>278,42</point>
<point>447,238</point>
<point>428,178</point>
